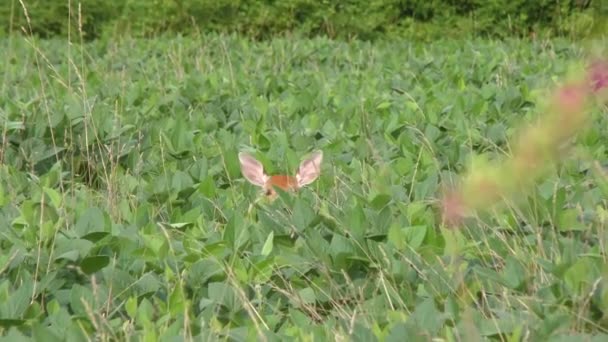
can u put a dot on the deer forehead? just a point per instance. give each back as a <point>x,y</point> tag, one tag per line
<point>282,181</point>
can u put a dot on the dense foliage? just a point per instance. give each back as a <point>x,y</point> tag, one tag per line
<point>123,213</point>
<point>367,19</point>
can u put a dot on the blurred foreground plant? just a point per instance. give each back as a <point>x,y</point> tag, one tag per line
<point>535,148</point>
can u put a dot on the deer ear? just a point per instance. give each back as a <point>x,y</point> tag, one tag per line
<point>252,170</point>
<point>309,169</point>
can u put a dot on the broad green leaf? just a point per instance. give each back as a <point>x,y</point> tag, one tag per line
<point>581,275</point>
<point>131,307</point>
<point>427,317</point>
<point>383,105</point>
<point>306,296</point>
<point>298,318</point>
<point>12,333</point>
<point>514,274</point>
<point>397,332</point>
<point>91,220</point>
<point>415,235</point>
<point>568,220</point>
<point>396,236</point>
<point>356,222</point>
<point>19,300</point>
<point>224,294</point>
<point>43,333</point>
<point>95,236</point>
<point>264,270</point>
<point>177,301</point>
<point>82,300</point>
<point>8,322</point>
<point>302,214</point>
<point>500,325</point>
<point>92,264</point>
<point>380,201</point>
<point>488,274</point>
<point>181,181</point>
<point>54,196</point>
<point>145,311</point>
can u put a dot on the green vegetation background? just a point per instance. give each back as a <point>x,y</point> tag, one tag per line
<point>124,216</point>
<point>365,19</point>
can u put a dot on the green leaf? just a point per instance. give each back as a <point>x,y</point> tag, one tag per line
<point>415,235</point>
<point>95,236</point>
<point>131,307</point>
<point>514,273</point>
<point>298,318</point>
<point>53,195</point>
<point>581,275</point>
<point>34,311</point>
<point>179,225</point>
<point>19,300</point>
<point>306,296</point>
<point>568,220</point>
<point>145,311</point>
<point>82,300</point>
<point>90,265</point>
<point>383,105</point>
<point>403,237</point>
<point>356,222</point>
<point>499,325</point>
<point>204,269</point>
<point>181,181</point>
<point>268,245</point>
<point>341,249</point>
<point>361,332</point>
<point>180,143</point>
<point>177,301</point>
<point>427,317</point>
<point>72,255</point>
<point>397,332</point>
<point>235,233</point>
<point>207,187</point>
<point>13,334</point>
<point>8,322</point>
<point>488,274</point>
<point>380,201</point>
<point>303,215</point>
<point>263,270</point>
<point>396,236</point>
<point>43,333</point>
<point>223,293</point>
<point>91,220</point>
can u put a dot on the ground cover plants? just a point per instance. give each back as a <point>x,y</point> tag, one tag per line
<point>124,214</point>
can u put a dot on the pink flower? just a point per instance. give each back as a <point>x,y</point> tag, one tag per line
<point>598,75</point>
<point>453,209</point>
<point>571,99</point>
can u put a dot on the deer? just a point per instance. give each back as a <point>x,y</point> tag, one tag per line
<point>308,172</point>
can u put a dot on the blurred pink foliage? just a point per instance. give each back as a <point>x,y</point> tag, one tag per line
<point>536,146</point>
<point>598,75</point>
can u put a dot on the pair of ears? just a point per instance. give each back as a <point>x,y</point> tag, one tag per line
<point>308,172</point>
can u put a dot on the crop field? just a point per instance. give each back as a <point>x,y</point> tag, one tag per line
<point>124,214</point>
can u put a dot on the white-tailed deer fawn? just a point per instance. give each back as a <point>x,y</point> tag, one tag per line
<point>253,171</point>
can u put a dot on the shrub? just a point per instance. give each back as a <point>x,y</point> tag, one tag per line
<point>264,18</point>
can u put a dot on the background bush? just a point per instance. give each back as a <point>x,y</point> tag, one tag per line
<point>337,19</point>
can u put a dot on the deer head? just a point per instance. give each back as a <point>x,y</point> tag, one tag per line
<point>253,171</point>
